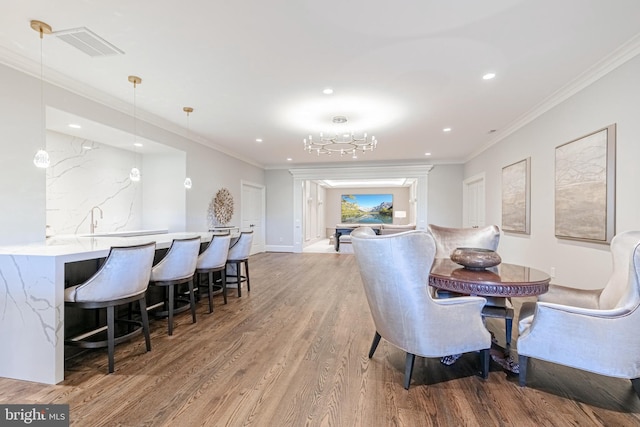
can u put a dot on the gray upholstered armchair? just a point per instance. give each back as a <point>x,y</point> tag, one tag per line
<point>395,274</point>
<point>592,330</point>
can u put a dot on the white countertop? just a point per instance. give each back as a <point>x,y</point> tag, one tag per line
<point>77,246</point>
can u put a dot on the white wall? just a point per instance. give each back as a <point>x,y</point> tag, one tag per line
<point>22,185</point>
<point>445,195</point>
<point>279,195</point>
<point>611,99</point>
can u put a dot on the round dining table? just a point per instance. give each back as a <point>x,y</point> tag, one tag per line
<point>496,284</point>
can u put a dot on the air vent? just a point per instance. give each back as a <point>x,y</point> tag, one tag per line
<point>88,42</point>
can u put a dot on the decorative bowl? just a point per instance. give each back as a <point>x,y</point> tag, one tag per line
<point>475,258</point>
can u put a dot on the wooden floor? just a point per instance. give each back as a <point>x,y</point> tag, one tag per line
<point>293,352</point>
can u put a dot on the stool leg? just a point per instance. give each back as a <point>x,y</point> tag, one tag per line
<point>111,335</point>
<point>145,322</point>
<point>210,279</point>
<point>246,270</point>
<point>170,309</point>
<point>238,278</point>
<point>223,277</point>
<point>192,300</point>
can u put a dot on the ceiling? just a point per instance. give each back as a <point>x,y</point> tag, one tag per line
<point>402,71</point>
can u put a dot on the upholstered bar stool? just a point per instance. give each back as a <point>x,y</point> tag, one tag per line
<point>212,260</point>
<point>177,267</point>
<point>238,256</point>
<point>122,279</point>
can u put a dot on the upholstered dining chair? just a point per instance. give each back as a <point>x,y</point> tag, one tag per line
<point>178,266</point>
<point>395,273</point>
<point>122,279</point>
<point>238,256</point>
<point>448,239</point>
<point>591,330</point>
<point>213,260</point>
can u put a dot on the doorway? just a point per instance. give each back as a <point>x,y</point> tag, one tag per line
<point>253,213</point>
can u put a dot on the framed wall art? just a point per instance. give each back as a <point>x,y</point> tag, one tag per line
<point>585,187</point>
<point>516,197</point>
<point>366,209</point>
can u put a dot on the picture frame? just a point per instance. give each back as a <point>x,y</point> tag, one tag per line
<point>516,197</point>
<point>366,209</point>
<point>585,187</point>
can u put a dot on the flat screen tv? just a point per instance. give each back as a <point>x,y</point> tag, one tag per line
<point>367,208</point>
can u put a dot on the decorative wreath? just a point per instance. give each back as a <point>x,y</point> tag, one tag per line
<point>223,206</point>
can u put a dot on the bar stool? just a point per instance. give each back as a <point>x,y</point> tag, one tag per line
<point>177,267</point>
<point>213,259</point>
<point>239,252</point>
<point>122,279</point>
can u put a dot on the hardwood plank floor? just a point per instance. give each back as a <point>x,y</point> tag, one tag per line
<point>293,352</point>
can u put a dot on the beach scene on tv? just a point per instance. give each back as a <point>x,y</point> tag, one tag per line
<point>367,208</point>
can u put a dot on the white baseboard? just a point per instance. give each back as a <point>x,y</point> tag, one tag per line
<point>278,248</point>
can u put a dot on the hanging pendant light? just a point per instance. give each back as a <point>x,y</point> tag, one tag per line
<point>135,175</point>
<point>41,159</point>
<point>187,181</point>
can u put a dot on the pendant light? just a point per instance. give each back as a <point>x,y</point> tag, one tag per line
<point>41,159</point>
<point>134,175</point>
<point>187,181</point>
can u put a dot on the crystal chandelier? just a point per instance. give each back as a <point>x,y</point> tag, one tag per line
<point>340,141</point>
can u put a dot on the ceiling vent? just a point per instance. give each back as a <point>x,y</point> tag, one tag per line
<point>87,41</point>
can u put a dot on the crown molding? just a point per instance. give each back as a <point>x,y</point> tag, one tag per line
<point>53,77</point>
<point>618,57</point>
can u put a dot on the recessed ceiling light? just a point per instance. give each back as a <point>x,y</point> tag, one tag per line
<point>427,154</point>
<point>446,130</point>
<point>74,126</point>
<point>258,139</point>
<point>87,147</point>
<point>489,76</point>
<point>137,144</point>
<point>289,159</point>
<point>328,91</point>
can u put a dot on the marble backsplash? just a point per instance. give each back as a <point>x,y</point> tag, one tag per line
<point>85,174</point>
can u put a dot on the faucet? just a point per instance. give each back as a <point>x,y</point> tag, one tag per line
<point>94,224</point>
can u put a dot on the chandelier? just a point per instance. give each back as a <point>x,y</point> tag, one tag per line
<point>340,141</point>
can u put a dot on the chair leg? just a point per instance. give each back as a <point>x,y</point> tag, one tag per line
<point>210,280</point>
<point>408,369</point>
<point>636,385</point>
<point>170,309</point>
<point>523,364</point>
<point>484,363</point>
<point>246,271</point>
<point>111,335</point>
<point>192,300</point>
<point>374,344</point>
<point>145,322</point>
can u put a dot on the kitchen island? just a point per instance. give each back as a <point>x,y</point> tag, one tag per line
<point>32,282</point>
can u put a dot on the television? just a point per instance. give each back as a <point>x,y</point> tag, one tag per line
<point>366,209</point>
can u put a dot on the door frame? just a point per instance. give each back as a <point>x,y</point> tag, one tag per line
<point>261,188</point>
<point>466,202</point>
<point>419,172</point>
